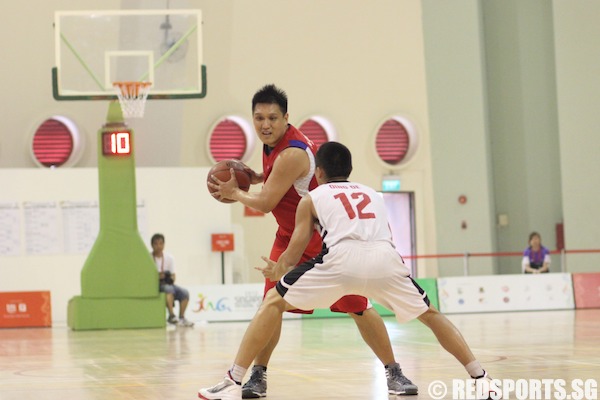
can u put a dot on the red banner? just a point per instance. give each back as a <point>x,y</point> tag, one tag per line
<point>25,309</point>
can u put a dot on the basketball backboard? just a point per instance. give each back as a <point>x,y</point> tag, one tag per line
<point>93,49</point>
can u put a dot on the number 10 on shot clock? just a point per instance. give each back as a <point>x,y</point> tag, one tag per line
<point>116,143</point>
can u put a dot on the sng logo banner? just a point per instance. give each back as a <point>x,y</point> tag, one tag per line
<point>248,301</point>
<point>205,305</point>
<point>236,302</point>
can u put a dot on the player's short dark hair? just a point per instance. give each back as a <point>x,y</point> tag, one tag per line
<point>157,236</point>
<point>335,159</point>
<point>270,94</point>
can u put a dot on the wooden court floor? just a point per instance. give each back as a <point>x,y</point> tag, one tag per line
<point>315,359</point>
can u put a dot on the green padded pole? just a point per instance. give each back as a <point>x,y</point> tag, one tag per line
<point>119,280</point>
<point>119,264</point>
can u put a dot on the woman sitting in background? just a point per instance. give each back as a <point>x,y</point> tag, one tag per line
<point>536,258</point>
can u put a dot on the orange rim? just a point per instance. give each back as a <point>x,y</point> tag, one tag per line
<point>131,89</point>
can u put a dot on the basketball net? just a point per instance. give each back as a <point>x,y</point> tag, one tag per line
<point>132,96</point>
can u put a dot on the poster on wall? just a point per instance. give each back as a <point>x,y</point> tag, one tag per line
<point>10,229</point>
<point>81,223</point>
<point>42,228</point>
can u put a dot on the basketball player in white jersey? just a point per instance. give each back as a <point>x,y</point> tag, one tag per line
<point>358,258</point>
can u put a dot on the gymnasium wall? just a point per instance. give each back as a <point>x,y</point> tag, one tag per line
<point>332,62</point>
<point>459,135</point>
<point>511,90</point>
<point>346,71</point>
<point>523,123</point>
<point>355,64</point>
<point>577,68</point>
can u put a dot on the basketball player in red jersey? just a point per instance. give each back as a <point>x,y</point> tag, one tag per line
<point>288,175</point>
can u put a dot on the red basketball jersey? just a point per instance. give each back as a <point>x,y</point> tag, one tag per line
<point>285,211</point>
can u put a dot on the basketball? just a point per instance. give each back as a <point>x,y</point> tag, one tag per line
<point>221,171</point>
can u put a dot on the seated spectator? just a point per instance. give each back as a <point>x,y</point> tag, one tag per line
<point>166,271</point>
<point>536,258</point>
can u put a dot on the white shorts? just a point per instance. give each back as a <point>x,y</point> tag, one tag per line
<point>373,270</point>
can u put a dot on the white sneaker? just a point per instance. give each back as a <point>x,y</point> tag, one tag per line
<point>226,390</point>
<point>486,388</point>
<point>185,322</point>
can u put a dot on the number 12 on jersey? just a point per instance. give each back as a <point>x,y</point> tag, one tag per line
<point>359,209</point>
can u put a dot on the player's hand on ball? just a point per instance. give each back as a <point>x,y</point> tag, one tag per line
<point>225,178</point>
<point>223,189</point>
<point>254,176</point>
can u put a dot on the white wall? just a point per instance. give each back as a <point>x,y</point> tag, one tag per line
<point>176,204</point>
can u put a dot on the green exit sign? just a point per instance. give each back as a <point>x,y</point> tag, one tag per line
<point>390,184</point>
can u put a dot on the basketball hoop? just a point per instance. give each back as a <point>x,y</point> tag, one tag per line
<point>132,96</point>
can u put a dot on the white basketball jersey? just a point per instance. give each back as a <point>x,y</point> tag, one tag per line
<point>350,211</point>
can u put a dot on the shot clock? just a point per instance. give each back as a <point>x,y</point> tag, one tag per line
<point>116,143</point>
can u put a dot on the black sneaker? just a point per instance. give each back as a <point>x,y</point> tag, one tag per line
<point>256,387</point>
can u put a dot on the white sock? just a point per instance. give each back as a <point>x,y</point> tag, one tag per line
<point>474,369</point>
<point>237,373</point>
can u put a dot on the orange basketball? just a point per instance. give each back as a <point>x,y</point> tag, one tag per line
<point>221,171</point>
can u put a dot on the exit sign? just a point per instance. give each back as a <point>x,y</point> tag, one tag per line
<point>390,184</point>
